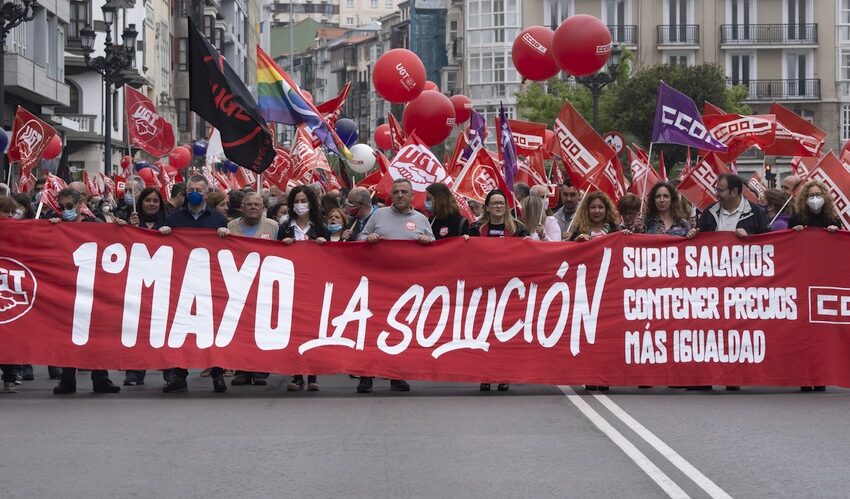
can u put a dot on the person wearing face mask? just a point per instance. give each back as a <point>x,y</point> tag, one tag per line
<point>446,220</point>
<point>278,212</point>
<point>70,203</point>
<point>305,223</point>
<point>196,214</point>
<point>336,221</point>
<point>359,208</point>
<point>127,203</point>
<point>23,207</point>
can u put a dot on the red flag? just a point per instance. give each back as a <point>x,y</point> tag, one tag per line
<point>756,184</point>
<point>643,176</point>
<point>108,185</point>
<point>92,184</point>
<point>528,136</point>
<point>795,136</point>
<point>305,157</point>
<point>245,177</point>
<point>583,151</point>
<point>453,166</point>
<point>480,176</point>
<point>416,163</point>
<point>120,185</point>
<point>281,169</point>
<point>699,184</point>
<point>611,180</point>
<point>740,133</point>
<point>396,132</point>
<point>803,165</point>
<point>167,179</point>
<point>662,168</point>
<point>332,108</point>
<point>147,130</point>
<point>29,138</point>
<point>556,174</point>
<point>708,108</point>
<point>371,181</point>
<point>532,171</point>
<point>50,192</point>
<point>835,175</point>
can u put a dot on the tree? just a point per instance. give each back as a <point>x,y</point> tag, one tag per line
<point>636,99</point>
<point>542,102</point>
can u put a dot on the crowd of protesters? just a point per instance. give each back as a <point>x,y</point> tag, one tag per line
<point>308,213</point>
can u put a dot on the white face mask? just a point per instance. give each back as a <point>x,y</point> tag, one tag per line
<point>283,219</point>
<point>19,214</point>
<point>815,203</point>
<point>301,208</point>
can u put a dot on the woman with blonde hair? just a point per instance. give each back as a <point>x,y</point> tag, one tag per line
<point>815,208</point>
<point>533,216</point>
<point>595,216</point>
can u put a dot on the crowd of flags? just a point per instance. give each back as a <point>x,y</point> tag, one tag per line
<point>241,131</point>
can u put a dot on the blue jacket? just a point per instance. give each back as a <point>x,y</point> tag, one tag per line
<point>209,219</point>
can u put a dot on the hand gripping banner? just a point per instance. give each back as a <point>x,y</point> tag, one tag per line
<point>618,310</point>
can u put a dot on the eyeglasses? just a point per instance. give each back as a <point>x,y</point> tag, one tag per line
<point>814,195</point>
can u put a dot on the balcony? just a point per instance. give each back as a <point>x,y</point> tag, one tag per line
<point>624,34</point>
<point>780,90</point>
<point>678,35</point>
<point>80,124</point>
<point>769,34</point>
<point>343,65</point>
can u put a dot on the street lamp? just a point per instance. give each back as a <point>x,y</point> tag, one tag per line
<point>115,59</point>
<point>11,15</point>
<point>598,81</point>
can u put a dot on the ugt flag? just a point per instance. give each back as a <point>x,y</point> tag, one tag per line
<point>218,95</point>
<point>677,121</point>
<point>147,130</point>
<point>29,138</point>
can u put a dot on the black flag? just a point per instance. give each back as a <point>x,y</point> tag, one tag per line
<point>218,95</point>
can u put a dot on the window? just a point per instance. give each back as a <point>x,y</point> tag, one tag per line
<point>845,123</point>
<point>844,64</point>
<point>797,74</point>
<point>349,21</point>
<point>740,67</point>
<point>555,11</point>
<point>374,4</point>
<point>182,54</point>
<point>797,14</point>
<point>684,58</point>
<point>844,20</point>
<point>79,17</point>
<point>183,115</point>
<point>349,4</point>
<point>388,4</point>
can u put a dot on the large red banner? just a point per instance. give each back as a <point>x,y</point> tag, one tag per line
<point>619,310</point>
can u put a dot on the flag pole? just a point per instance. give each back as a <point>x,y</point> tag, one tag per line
<point>129,149</point>
<point>778,212</point>
<point>646,177</point>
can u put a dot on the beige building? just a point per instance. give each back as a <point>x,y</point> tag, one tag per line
<point>353,13</point>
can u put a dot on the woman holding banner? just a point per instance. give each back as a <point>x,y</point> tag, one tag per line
<point>774,200</point>
<point>446,220</point>
<point>665,213</point>
<point>497,221</point>
<point>305,223</point>
<point>596,216</point>
<point>534,217</point>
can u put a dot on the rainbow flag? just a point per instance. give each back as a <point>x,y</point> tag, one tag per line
<point>281,101</point>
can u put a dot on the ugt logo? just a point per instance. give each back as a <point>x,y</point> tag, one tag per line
<point>145,120</point>
<point>17,290</point>
<point>31,136</point>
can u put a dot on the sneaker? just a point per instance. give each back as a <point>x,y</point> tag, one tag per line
<point>206,373</point>
<point>219,385</point>
<point>176,385</point>
<point>105,386</point>
<point>229,373</point>
<point>313,387</point>
<point>64,388</point>
<point>399,385</point>
<point>485,387</point>
<point>27,374</point>
<point>260,381</point>
<point>503,387</point>
<point>820,388</point>
<point>365,385</point>
<point>9,387</point>
<point>19,379</point>
<point>241,379</point>
<point>295,385</point>
<point>54,372</point>
<point>133,382</point>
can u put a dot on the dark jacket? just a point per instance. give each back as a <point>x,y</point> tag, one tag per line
<point>483,230</point>
<point>356,224</point>
<point>288,231</point>
<point>753,219</point>
<point>815,220</point>
<point>451,226</point>
<point>209,219</point>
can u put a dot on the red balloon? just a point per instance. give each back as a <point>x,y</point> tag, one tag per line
<point>532,53</point>
<point>431,116</point>
<point>581,45</point>
<point>147,174</point>
<point>126,161</point>
<point>463,108</point>
<point>383,138</point>
<point>399,75</point>
<point>430,85</point>
<point>180,157</point>
<point>53,148</point>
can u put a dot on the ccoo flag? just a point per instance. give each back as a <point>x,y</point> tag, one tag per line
<point>677,121</point>
<point>218,95</point>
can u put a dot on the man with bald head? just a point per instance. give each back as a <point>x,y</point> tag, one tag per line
<point>789,184</point>
<point>359,208</point>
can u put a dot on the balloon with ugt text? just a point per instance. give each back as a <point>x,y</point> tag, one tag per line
<point>463,108</point>
<point>346,129</point>
<point>362,158</point>
<point>383,137</point>
<point>431,116</point>
<point>180,157</point>
<point>399,75</point>
<point>53,148</point>
<point>581,45</point>
<point>148,175</point>
<point>532,54</point>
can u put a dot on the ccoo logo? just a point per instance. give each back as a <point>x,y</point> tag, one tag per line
<point>17,290</point>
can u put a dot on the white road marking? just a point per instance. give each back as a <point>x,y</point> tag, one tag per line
<point>665,450</point>
<point>640,459</point>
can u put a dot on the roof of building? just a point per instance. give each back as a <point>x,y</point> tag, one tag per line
<point>303,36</point>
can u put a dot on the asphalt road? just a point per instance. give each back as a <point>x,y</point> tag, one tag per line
<point>440,440</point>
